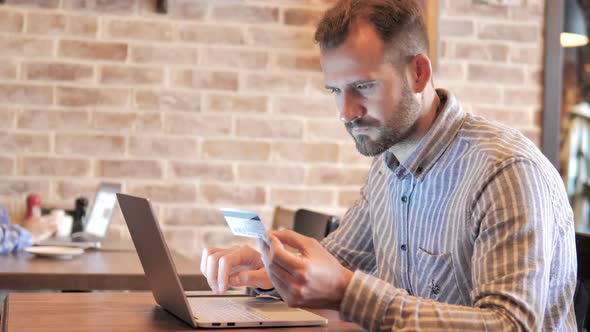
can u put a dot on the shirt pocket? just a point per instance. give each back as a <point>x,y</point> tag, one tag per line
<point>435,276</point>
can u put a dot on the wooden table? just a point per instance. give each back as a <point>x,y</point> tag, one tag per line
<point>109,269</point>
<point>126,312</point>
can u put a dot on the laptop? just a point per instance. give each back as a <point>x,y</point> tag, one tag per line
<point>97,223</point>
<point>205,311</point>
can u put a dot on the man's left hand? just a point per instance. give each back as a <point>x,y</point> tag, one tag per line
<point>313,279</point>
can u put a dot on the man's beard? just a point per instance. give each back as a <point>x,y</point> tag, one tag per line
<point>395,130</point>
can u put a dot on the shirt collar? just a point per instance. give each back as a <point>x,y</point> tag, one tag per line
<point>448,121</point>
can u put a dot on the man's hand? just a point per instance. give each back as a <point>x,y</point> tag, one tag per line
<point>315,279</point>
<point>41,228</point>
<point>236,266</point>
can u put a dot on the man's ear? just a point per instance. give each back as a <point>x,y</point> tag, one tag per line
<point>419,72</point>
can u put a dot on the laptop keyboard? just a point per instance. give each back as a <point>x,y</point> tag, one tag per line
<point>224,311</point>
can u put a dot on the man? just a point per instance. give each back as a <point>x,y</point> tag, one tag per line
<point>14,238</point>
<point>462,223</point>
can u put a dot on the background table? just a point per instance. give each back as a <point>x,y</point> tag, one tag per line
<point>117,268</point>
<point>128,312</point>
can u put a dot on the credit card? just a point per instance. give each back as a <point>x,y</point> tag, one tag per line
<point>245,223</point>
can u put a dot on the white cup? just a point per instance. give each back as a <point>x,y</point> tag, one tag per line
<point>64,226</point>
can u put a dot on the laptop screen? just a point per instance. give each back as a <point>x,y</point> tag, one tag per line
<point>102,209</point>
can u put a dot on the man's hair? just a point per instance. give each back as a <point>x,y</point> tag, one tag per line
<point>399,24</point>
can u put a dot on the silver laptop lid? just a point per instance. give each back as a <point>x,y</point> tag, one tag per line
<point>102,210</point>
<point>155,256</point>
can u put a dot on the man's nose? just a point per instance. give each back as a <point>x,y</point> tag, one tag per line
<point>351,109</point>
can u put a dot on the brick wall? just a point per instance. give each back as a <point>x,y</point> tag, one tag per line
<point>217,103</point>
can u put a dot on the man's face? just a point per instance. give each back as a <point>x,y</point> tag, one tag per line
<point>373,98</point>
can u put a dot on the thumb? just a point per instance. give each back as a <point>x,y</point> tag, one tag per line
<point>257,278</point>
<point>293,239</point>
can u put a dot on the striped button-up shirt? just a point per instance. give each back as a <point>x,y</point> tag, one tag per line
<point>12,237</point>
<point>472,232</point>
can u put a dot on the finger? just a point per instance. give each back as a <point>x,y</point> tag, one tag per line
<point>279,255</point>
<point>275,264</point>
<point>212,269</point>
<point>204,257</point>
<point>258,278</point>
<point>288,290</point>
<point>241,258</point>
<point>293,239</point>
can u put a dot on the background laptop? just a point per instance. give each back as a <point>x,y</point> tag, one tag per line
<point>214,311</point>
<point>97,222</point>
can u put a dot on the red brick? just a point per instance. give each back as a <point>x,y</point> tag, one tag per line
<point>305,152</point>
<point>475,9</point>
<point>534,134</point>
<point>266,127</point>
<point>306,107</point>
<point>203,34</point>
<point>222,237</point>
<point>149,122</point>
<point>89,144</point>
<point>245,14</point>
<point>7,118</point>
<point>527,55</point>
<point>8,69</point>
<point>162,54</point>
<point>34,3</point>
<point>289,38</point>
<point>523,97</point>
<point>495,73</point>
<point>505,116</point>
<point>201,79</point>
<point>52,120</point>
<point>336,176</point>
<point>235,103</point>
<point>236,150</point>
<point>299,62</point>
<point>185,241</point>
<point>233,58</point>
<point>167,100</point>
<point>270,174</point>
<point>204,171</point>
<point>164,147</point>
<point>102,6</point>
<point>6,166</point>
<point>197,124</point>
<point>46,166</point>
<point>302,17</point>
<point>187,9</point>
<point>133,169</point>
<point>57,24</point>
<point>192,216</point>
<point>349,155</point>
<point>326,130</point>
<point>125,75</point>
<point>509,32</point>
<point>25,46</point>
<point>451,71</point>
<point>114,121</point>
<point>140,30</point>
<point>532,12</point>
<point>26,94</point>
<point>15,188</point>
<point>69,190</point>
<point>486,52</point>
<point>68,96</point>
<point>49,71</point>
<point>346,198</point>
<point>228,194</point>
<point>11,21</point>
<point>93,50</point>
<point>275,83</point>
<point>456,28</point>
<point>472,94</point>
<point>301,197</point>
<point>166,193</point>
<point>23,143</point>
<point>316,87</point>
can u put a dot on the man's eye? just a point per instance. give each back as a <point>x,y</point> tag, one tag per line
<point>333,90</point>
<point>365,86</point>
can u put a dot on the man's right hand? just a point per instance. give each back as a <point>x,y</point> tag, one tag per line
<point>235,267</point>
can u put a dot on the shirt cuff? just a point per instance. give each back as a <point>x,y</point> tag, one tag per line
<point>366,300</point>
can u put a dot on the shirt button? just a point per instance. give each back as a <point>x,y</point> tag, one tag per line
<point>403,247</point>
<point>404,198</point>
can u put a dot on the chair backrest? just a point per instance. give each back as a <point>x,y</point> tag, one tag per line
<point>283,218</point>
<point>582,293</point>
<point>314,224</point>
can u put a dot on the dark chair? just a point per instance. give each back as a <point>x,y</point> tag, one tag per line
<point>582,293</point>
<point>314,224</point>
